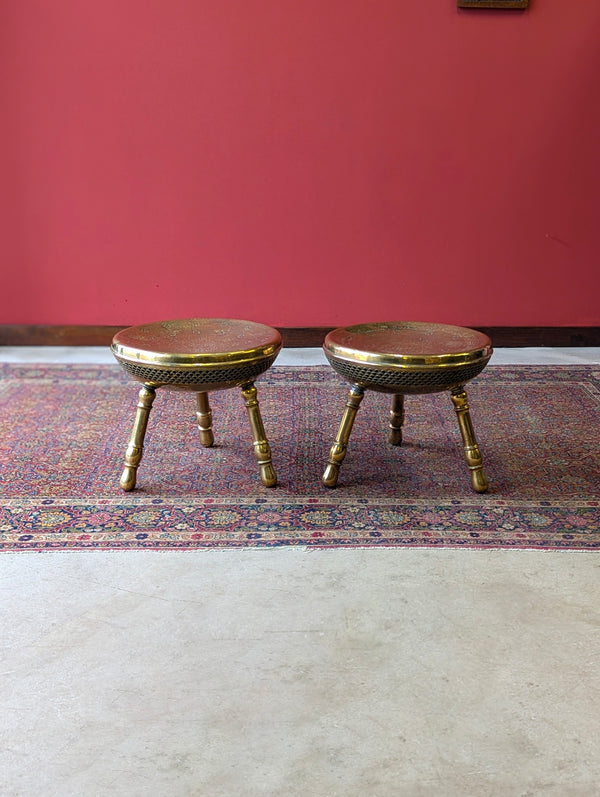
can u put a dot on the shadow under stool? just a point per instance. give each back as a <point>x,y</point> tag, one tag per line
<point>407,358</point>
<point>199,355</point>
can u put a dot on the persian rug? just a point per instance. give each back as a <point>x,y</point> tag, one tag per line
<point>65,429</point>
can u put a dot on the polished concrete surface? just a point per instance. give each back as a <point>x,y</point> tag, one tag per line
<point>288,672</point>
<point>299,673</point>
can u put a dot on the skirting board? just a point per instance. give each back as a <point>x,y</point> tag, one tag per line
<point>293,337</point>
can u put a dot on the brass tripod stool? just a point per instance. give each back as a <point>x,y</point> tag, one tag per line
<point>199,355</point>
<point>404,358</point>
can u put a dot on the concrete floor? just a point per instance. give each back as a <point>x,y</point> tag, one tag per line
<point>300,673</point>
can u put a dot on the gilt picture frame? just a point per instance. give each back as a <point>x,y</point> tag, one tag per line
<point>492,3</point>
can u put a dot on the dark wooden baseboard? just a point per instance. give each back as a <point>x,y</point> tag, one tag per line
<point>43,335</point>
<point>293,337</point>
<point>518,337</point>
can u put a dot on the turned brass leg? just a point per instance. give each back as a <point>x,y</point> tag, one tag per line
<point>261,444</point>
<point>396,419</point>
<point>204,416</point>
<point>133,455</point>
<point>338,449</point>
<point>472,453</point>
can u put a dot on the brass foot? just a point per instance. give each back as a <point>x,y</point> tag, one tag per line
<point>396,419</point>
<point>472,453</point>
<point>204,416</point>
<point>338,449</point>
<point>135,449</point>
<point>262,449</point>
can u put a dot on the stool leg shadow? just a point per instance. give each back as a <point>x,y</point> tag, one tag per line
<point>262,449</point>
<point>396,419</point>
<point>472,453</point>
<point>204,416</point>
<point>338,449</point>
<point>135,449</point>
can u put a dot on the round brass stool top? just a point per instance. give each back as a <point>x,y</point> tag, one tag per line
<point>407,356</point>
<point>199,354</point>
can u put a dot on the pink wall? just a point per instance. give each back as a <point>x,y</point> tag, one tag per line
<point>299,162</point>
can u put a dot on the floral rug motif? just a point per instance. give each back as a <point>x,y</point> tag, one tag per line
<point>65,429</point>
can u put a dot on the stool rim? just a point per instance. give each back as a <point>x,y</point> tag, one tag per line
<point>350,344</point>
<point>146,343</point>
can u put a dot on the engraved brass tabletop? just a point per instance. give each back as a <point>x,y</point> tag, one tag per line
<point>407,357</point>
<point>200,355</point>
